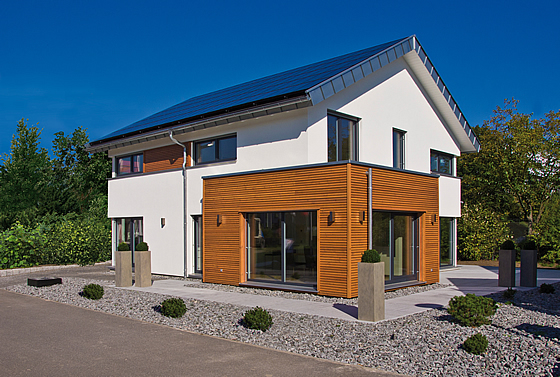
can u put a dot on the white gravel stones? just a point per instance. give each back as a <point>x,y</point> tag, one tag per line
<point>523,338</point>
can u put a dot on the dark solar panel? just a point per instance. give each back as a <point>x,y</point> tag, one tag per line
<point>293,81</point>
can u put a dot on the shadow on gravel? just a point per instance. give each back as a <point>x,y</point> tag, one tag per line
<point>348,309</point>
<point>157,308</point>
<point>546,331</point>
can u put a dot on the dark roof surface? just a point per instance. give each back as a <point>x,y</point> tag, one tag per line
<point>267,89</point>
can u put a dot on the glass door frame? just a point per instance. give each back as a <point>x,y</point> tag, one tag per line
<point>197,244</point>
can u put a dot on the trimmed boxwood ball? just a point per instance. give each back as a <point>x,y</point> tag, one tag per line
<point>508,245</point>
<point>123,246</point>
<point>257,319</point>
<point>173,307</point>
<point>142,246</point>
<point>93,291</point>
<point>476,344</point>
<point>546,288</point>
<point>472,310</point>
<point>371,256</point>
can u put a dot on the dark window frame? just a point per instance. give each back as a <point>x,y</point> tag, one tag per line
<point>399,158</point>
<point>131,156</point>
<point>354,136</point>
<point>216,141</point>
<point>439,154</point>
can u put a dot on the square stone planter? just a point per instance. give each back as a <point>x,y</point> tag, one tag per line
<point>123,268</point>
<point>143,268</point>
<point>371,291</point>
<point>506,269</point>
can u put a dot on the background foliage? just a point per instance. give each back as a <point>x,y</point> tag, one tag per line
<point>53,210</point>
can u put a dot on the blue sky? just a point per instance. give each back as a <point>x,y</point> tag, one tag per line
<point>103,65</point>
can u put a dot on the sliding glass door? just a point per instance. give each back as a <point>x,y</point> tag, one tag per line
<point>395,237</point>
<point>282,247</point>
<point>130,231</point>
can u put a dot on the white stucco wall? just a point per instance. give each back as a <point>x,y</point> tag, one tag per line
<point>152,197</point>
<point>449,196</point>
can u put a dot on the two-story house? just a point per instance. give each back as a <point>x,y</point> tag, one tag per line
<point>284,181</point>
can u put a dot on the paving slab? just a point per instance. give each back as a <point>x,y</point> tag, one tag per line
<point>45,338</point>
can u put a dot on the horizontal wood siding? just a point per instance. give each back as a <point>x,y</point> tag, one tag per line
<point>165,158</point>
<point>322,189</point>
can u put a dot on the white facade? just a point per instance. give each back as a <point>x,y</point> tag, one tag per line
<point>390,98</point>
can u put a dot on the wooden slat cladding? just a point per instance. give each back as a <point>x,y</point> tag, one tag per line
<point>164,158</point>
<point>321,189</point>
<point>341,189</point>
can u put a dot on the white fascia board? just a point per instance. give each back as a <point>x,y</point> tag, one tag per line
<point>422,67</point>
<point>232,117</point>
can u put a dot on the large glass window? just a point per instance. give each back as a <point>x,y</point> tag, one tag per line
<point>446,241</point>
<point>395,237</point>
<point>130,231</point>
<point>342,138</point>
<point>220,149</point>
<point>282,247</point>
<point>398,149</point>
<point>441,163</point>
<point>130,164</point>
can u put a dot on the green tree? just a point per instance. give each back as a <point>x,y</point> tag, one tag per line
<point>23,177</point>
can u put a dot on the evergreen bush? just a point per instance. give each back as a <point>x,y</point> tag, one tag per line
<point>142,246</point>
<point>472,310</point>
<point>173,307</point>
<point>509,293</point>
<point>508,245</point>
<point>371,256</point>
<point>546,288</point>
<point>476,344</point>
<point>257,319</point>
<point>93,291</point>
<point>123,246</point>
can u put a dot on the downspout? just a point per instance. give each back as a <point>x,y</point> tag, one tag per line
<point>185,271</point>
<point>370,210</point>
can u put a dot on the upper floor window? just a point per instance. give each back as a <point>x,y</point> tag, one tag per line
<point>398,148</point>
<point>219,149</point>
<point>342,137</point>
<point>441,163</point>
<point>130,164</point>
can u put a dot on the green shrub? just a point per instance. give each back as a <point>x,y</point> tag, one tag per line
<point>371,256</point>
<point>257,319</point>
<point>476,344</point>
<point>509,293</point>
<point>546,288</point>
<point>552,257</point>
<point>123,246</point>
<point>173,307</point>
<point>472,310</point>
<point>93,291</point>
<point>529,245</point>
<point>20,245</point>
<point>142,246</point>
<point>508,245</point>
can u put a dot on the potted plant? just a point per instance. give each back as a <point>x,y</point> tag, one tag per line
<point>371,287</point>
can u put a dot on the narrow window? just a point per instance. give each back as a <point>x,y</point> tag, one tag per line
<point>398,149</point>
<point>219,149</point>
<point>441,163</point>
<point>342,138</point>
<point>130,164</point>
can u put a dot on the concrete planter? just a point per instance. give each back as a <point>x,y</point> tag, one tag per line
<point>123,269</point>
<point>506,270</point>
<point>528,268</point>
<point>371,291</point>
<point>143,268</point>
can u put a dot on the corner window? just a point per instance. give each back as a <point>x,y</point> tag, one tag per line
<point>441,163</point>
<point>219,149</point>
<point>130,164</point>
<point>398,149</point>
<point>342,137</point>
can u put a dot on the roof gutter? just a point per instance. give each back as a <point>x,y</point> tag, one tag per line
<point>275,107</point>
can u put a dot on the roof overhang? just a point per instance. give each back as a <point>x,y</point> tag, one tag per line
<point>232,117</point>
<point>426,74</point>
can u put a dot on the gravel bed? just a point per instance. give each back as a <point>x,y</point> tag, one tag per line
<point>523,338</point>
<point>196,283</point>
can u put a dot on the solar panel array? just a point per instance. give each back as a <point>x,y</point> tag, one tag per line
<point>294,81</point>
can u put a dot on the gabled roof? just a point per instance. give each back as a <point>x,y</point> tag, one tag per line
<point>296,88</point>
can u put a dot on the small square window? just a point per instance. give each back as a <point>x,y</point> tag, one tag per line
<point>220,149</point>
<point>130,164</point>
<point>441,163</point>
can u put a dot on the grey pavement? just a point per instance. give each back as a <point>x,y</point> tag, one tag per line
<point>45,338</point>
<point>465,279</point>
